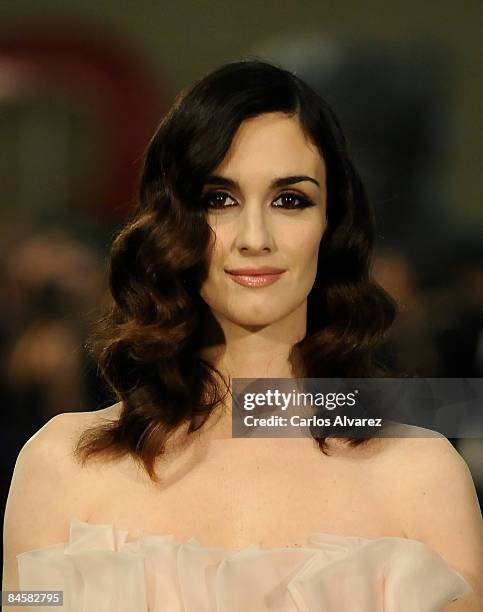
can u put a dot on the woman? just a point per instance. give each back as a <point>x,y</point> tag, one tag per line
<point>248,257</point>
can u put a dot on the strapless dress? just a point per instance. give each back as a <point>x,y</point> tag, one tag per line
<point>98,570</point>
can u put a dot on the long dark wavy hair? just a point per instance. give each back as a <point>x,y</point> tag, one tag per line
<point>147,341</point>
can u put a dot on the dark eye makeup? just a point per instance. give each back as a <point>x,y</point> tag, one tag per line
<point>216,200</point>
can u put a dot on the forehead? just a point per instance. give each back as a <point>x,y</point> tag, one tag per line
<point>275,144</point>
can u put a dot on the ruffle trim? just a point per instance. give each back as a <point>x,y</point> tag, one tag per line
<point>99,570</point>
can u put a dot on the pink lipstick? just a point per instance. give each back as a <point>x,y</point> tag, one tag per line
<point>255,277</point>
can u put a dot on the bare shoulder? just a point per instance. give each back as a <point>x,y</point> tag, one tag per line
<point>419,463</point>
<point>437,503</point>
<point>46,472</point>
<point>411,441</point>
<point>48,488</point>
<point>52,447</point>
<point>416,454</point>
<point>401,444</point>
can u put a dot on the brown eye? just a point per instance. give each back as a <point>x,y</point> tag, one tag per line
<point>217,199</point>
<point>292,200</point>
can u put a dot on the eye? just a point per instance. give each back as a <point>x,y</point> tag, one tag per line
<point>290,200</point>
<point>216,200</point>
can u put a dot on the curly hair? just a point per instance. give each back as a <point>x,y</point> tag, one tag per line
<point>147,341</point>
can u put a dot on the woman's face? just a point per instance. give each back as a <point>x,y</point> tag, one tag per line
<point>266,204</point>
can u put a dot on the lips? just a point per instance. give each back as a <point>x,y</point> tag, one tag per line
<point>255,277</point>
<point>255,271</point>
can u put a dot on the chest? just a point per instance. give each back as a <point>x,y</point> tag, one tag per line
<point>236,494</point>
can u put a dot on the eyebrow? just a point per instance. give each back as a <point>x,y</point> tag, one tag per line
<point>283,181</point>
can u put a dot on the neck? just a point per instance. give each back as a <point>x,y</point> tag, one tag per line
<point>251,352</point>
<point>256,351</point>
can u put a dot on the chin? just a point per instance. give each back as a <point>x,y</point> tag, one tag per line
<point>252,318</point>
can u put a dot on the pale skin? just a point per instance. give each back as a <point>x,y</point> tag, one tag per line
<point>410,487</point>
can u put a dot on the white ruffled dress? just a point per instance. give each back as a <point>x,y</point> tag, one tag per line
<point>99,571</point>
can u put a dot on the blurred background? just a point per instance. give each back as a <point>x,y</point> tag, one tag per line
<point>84,85</point>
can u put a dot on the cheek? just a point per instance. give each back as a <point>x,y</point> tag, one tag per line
<point>307,248</point>
<point>219,256</point>
<point>306,259</point>
<point>210,290</point>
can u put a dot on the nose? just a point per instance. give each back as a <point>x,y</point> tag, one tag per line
<point>253,232</point>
